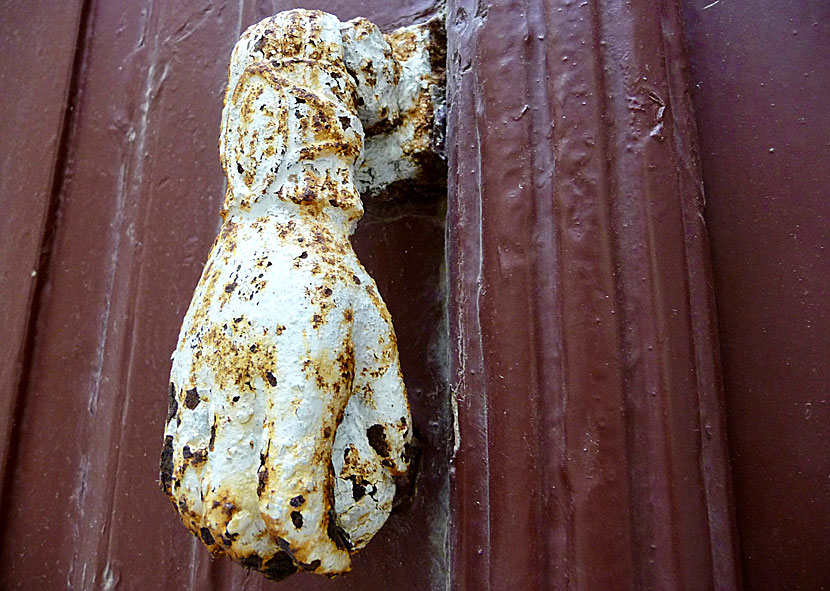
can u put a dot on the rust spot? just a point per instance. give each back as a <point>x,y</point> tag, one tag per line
<point>253,561</point>
<point>172,404</point>
<point>280,566</point>
<point>206,536</point>
<point>166,467</point>
<point>212,435</point>
<point>377,439</point>
<point>284,545</point>
<point>358,490</point>
<point>356,279</point>
<point>192,399</point>
<point>199,456</point>
<point>405,482</point>
<point>336,533</point>
<point>232,362</point>
<point>297,501</point>
<point>271,378</point>
<point>403,44</point>
<point>346,362</point>
<point>230,287</point>
<point>186,453</point>
<point>297,519</point>
<point>262,481</point>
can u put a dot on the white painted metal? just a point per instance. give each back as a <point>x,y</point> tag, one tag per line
<point>289,421</point>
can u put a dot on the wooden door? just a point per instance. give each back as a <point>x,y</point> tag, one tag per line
<point>555,310</point>
<point>760,81</point>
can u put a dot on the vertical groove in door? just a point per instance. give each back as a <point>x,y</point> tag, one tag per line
<point>19,375</point>
<point>587,368</point>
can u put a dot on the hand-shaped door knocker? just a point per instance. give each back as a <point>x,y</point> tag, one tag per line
<point>288,422</point>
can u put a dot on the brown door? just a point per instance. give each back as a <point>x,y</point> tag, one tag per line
<point>561,297</point>
<point>761,81</point>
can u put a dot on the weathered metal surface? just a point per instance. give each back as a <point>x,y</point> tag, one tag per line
<point>288,422</point>
<point>135,218</point>
<point>592,448</point>
<point>408,153</point>
<point>761,83</point>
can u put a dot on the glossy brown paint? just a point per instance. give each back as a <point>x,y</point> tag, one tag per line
<point>592,445</point>
<point>36,125</point>
<point>137,205</point>
<point>584,349</point>
<point>761,84</point>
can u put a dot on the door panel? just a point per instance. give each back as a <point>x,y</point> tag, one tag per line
<point>761,84</point>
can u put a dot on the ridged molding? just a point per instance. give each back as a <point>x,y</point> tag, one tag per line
<point>592,447</point>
